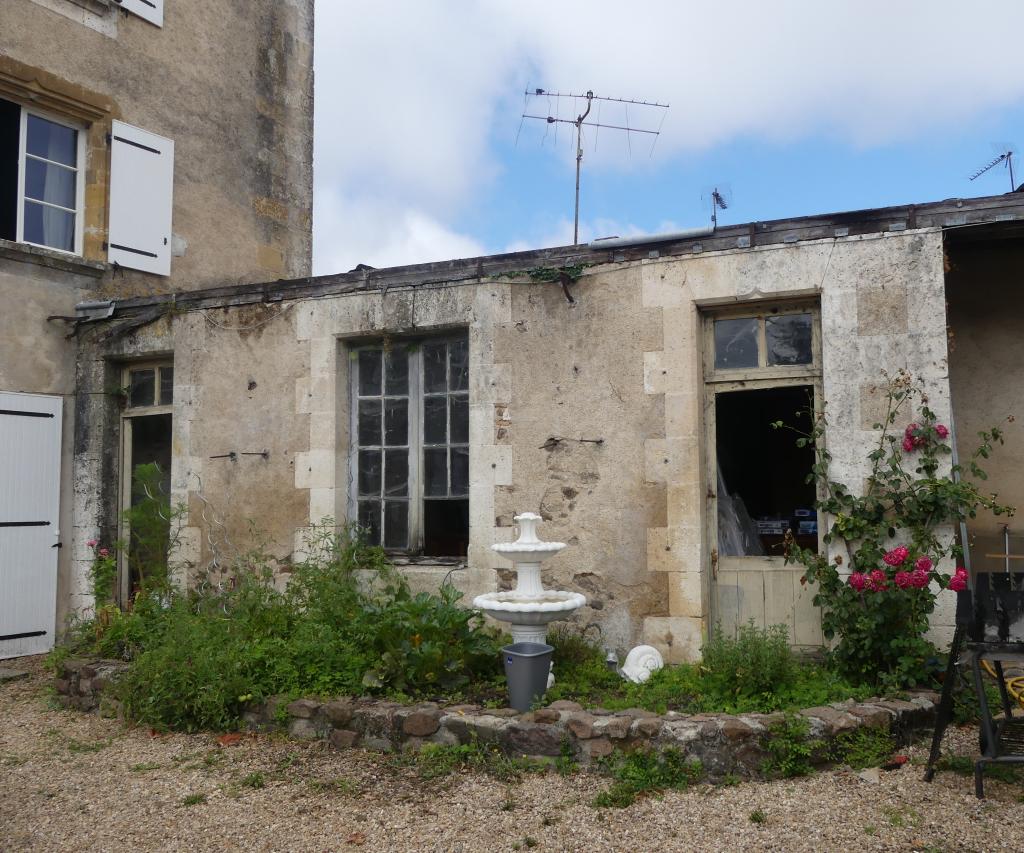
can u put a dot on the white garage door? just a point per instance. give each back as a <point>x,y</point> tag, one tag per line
<point>29,502</point>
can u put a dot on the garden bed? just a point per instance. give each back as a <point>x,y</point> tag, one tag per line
<point>725,745</point>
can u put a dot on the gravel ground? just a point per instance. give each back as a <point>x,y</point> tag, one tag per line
<point>70,781</point>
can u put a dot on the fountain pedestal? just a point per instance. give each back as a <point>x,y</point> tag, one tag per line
<point>529,608</point>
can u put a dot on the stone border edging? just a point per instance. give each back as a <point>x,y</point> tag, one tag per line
<point>723,743</point>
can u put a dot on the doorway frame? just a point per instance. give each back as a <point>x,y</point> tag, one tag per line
<point>124,487</point>
<point>720,381</point>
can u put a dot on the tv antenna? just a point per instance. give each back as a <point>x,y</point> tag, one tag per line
<point>1005,156</point>
<point>718,199</point>
<point>580,122</point>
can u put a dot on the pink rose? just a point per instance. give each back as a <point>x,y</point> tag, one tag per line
<point>91,543</point>
<point>919,578</point>
<point>858,581</point>
<point>103,552</point>
<point>960,570</point>
<point>958,583</point>
<point>908,444</point>
<point>877,581</point>
<point>897,556</point>
<point>923,564</point>
<point>942,431</point>
<point>902,579</point>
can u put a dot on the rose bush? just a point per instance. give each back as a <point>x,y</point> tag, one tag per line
<point>876,595</point>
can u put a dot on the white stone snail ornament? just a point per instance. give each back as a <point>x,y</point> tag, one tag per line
<point>640,663</point>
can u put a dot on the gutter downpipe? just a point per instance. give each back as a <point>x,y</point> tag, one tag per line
<point>668,237</point>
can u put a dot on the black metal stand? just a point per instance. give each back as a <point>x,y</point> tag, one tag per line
<point>944,713</point>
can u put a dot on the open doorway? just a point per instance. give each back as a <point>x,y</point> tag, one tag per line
<point>762,474</point>
<point>146,430</point>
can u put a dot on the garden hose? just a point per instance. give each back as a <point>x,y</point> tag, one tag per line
<point>1014,683</point>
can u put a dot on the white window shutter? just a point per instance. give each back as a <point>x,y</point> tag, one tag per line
<point>151,10</point>
<point>141,186</point>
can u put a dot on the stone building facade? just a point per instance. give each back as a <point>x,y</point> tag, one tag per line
<point>145,148</point>
<point>608,387</point>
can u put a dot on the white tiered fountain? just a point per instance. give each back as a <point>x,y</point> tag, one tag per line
<point>529,607</point>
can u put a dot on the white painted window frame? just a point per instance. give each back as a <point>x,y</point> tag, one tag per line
<point>415,444</point>
<point>80,131</point>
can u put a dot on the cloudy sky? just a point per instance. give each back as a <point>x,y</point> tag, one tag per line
<point>795,107</point>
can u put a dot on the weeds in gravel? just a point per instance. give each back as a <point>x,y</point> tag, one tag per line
<point>78,746</point>
<point>758,816</point>
<point>253,780</point>
<point>641,771</point>
<point>12,760</point>
<point>963,765</point>
<point>789,748</point>
<point>338,785</point>
<point>437,760</point>
<point>145,767</point>
<point>194,800</point>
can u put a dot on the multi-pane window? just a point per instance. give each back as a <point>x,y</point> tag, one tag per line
<point>150,386</point>
<point>410,449</point>
<point>775,339</point>
<point>40,179</point>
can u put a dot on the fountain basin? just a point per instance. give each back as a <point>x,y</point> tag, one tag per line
<point>529,609</point>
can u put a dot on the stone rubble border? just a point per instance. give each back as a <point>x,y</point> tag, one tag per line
<point>724,744</point>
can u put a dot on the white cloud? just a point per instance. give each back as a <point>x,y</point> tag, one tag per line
<point>411,96</point>
<point>381,234</point>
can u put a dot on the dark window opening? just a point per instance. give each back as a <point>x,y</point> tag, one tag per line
<point>762,488</point>
<point>10,129</point>
<point>445,528</point>
<point>150,460</point>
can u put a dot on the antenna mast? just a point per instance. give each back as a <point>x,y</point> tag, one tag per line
<point>579,122</point>
<point>1005,157</point>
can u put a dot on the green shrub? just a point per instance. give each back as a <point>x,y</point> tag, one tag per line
<point>863,747</point>
<point>640,771</point>
<point>347,624</point>
<point>789,748</point>
<point>755,663</point>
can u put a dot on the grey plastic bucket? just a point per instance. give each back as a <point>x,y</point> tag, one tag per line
<point>526,668</point>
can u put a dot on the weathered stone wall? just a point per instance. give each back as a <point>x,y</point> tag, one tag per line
<point>231,83</point>
<point>590,412</point>
<point>724,744</point>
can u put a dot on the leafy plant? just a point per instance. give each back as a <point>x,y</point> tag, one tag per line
<point>789,748</point>
<point>642,771</point>
<point>880,612</point>
<point>755,663</point>
<point>863,747</point>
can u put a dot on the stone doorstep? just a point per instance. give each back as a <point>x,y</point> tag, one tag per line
<point>724,743</point>
<point>11,674</point>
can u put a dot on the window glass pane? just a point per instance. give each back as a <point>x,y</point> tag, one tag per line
<point>369,472</point>
<point>49,226</point>
<point>460,471</point>
<point>459,405</point>
<point>396,372</point>
<point>435,368</point>
<point>51,140</point>
<point>736,343</point>
<point>166,386</point>
<point>435,472</point>
<point>141,387</point>
<point>396,422</point>
<point>788,338</point>
<point>396,473</point>
<point>458,353</point>
<point>435,413</point>
<point>46,182</point>
<point>369,422</point>
<point>369,372</point>
<point>396,524</point>
<point>369,520</point>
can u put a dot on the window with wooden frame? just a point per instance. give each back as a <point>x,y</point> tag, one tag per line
<point>409,454</point>
<point>42,179</point>
<point>781,340</point>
